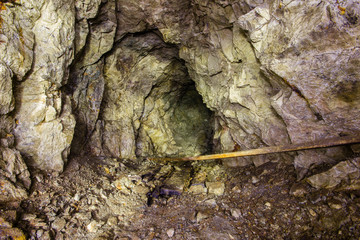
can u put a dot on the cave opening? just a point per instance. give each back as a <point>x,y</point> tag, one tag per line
<point>140,102</point>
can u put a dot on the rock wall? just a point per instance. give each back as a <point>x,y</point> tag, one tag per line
<point>272,72</point>
<point>37,49</point>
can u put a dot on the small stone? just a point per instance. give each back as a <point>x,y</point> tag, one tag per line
<point>39,233</point>
<point>141,190</point>
<point>77,197</point>
<point>298,190</point>
<point>28,217</point>
<point>92,226</point>
<point>58,224</point>
<point>312,213</point>
<point>235,213</point>
<point>267,204</point>
<point>216,188</point>
<point>39,178</point>
<point>112,221</point>
<point>175,185</point>
<point>211,202</point>
<point>198,189</point>
<point>231,236</point>
<point>254,180</point>
<point>335,204</point>
<point>170,232</point>
<point>199,177</point>
<point>201,216</point>
<point>317,197</point>
<point>103,194</point>
<point>236,189</point>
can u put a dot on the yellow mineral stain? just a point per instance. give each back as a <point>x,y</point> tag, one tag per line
<point>342,10</point>
<point>106,170</point>
<point>118,186</point>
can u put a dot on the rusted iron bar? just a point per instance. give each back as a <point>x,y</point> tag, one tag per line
<point>332,142</point>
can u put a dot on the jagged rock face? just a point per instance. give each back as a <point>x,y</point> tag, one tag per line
<point>315,55</point>
<point>272,73</point>
<point>44,122</point>
<point>14,175</point>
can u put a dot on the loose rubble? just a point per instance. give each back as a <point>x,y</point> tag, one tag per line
<point>108,198</point>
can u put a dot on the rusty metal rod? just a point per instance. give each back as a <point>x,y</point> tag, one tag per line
<point>267,150</point>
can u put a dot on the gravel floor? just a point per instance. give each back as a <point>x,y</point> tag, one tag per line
<point>113,199</point>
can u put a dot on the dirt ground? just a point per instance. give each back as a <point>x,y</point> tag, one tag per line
<point>117,199</point>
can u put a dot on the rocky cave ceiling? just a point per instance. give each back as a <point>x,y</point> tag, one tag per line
<point>131,79</point>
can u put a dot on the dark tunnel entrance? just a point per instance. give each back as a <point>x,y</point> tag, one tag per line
<point>141,102</point>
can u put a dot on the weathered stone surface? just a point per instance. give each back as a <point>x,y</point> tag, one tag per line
<point>298,190</point>
<point>177,182</point>
<point>347,172</point>
<point>87,99</point>
<point>87,9</point>
<point>16,57</point>
<point>13,167</point>
<point>58,224</point>
<point>216,188</point>
<point>10,191</point>
<point>101,32</point>
<point>14,174</point>
<point>197,189</point>
<point>315,60</point>
<point>6,92</point>
<point>17,38</point>
<point>81,33</point>
<point>45,124</point>
<point>131,18</point>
